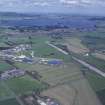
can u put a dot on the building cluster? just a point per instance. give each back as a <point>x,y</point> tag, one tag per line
<point>50,61</point>
<point>37,100</point>
<point>21,47</point>
<point>11,53</point>
<point>48,101</point>
<point>23,58</point>
<point>11,74</point>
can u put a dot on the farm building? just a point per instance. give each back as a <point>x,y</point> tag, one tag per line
<point>11,74</point>
<point>21,47</point>
<point>23,58</point>
<point>39,100</point>
<point>45,100</point>
<point>51,61</point>
<point>55,62</point>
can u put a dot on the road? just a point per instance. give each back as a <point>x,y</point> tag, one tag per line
<point>91,67</point>
<point>57,48</point>
<point>98,71</point>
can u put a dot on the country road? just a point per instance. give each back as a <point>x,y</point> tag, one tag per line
<point>91,67</point>
<point>98,71</point>
<point>57,48</point>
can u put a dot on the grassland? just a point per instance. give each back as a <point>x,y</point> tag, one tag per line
<point>9,102</point>
<point>24,84</point>
<point>94,42</point>
<point>4,45</point>
<point>43,50</point>
<point>5,93</point>
<point>98,84</point>
<point>49,52</point>
<point>54,74</point>
<point>96,81</point>
<point>4,66</point>
<point>99,63</point>
<point>101,95</point>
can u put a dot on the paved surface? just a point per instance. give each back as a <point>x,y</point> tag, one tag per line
<point>98,71</point>
<point>64,52</point>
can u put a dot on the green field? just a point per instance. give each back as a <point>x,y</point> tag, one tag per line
<point>100,64</point>
<point>54,74</point>
<point>4,45</point>
<point>96,62</point>
<point>96,81</point>
<point>101,95</point>
<point>44,50</point>
<point>41,49</point>
<point>24,84</point>
<point>5,92</point>
<point>4,66</point>
<point>9,102</point>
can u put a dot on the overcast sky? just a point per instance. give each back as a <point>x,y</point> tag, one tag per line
<point>65,6</point>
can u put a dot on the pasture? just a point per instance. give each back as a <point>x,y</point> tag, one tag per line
<point>24,84</point>
<point>9,102</point>
<point>4,66</point>
<point>5,92</point>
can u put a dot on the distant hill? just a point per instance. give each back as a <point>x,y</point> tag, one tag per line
<point>14,14</point>
<point>97,19</point>
<point>32,19</point>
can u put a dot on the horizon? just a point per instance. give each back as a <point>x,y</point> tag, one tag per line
<point>53,13</point>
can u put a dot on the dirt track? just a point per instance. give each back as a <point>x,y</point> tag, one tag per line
<point>76,93</point>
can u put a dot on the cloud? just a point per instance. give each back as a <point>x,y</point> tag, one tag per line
<point>8,3</point>
<point>41,4</point>
<point>83,2</point>
<point>86,6</point>
<point>32,3</point>
<point>69,1</point>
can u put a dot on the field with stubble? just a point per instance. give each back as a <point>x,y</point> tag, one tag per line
<point>74,45</point>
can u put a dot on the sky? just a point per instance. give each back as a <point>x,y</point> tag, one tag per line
<point>54,6</point>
